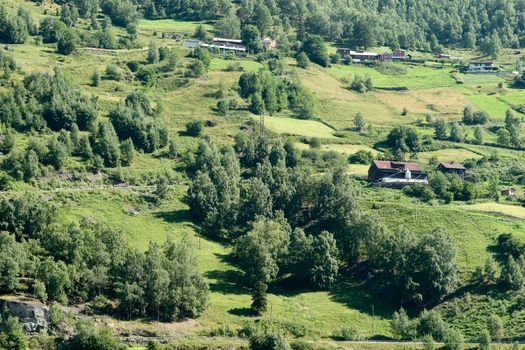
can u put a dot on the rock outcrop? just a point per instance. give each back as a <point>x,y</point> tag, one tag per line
<point>33,316</point>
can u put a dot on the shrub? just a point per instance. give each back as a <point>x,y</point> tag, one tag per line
<point>484,340</point>
<point>361,157</point>
<point>362,84</point>
<point>431,323</point>
<point>133,65</point>
<point>315,143</point>
<point>146,75</point>
<point>67,42</point>
<point>113,72</point>
<point>402,326</point>
<point>454,340</point>
<point>268,341</point>
<point>349,333</point>
<point>302,60</point>
<point>194,128</point>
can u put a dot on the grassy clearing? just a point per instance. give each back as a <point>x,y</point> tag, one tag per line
<point>171,25</point>
<point>246,65</point>
<point>359,170</point>
<point>291,126</point>
<point>498,208</point>
<point>445,102</point>
<point>321,312</point>
<point>338,105</point>
<point>480,79</point>
<point>340,148</point>
<point>514,97</point>
<point>417,77</point>
<point>448,155</point>
<point>490,104</point>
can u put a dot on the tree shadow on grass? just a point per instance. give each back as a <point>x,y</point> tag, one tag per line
<point>226,281</point>
<point>174,217</point>
<point>230,281</point>
<point>241,311</point>
<point>355,295</point>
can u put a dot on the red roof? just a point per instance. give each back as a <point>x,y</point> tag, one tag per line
<point>453,165</point>
<point>393,165</point>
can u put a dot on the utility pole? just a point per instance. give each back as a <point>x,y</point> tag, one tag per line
<point>261,124</point>
<point>373,321</point>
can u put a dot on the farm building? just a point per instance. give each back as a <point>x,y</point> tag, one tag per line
<point>396,174</point>
<point>191,43</point>
<point>443,56</point>
<point>357,56</point>
<point>364,56</point>
<point>482,66</point>
<point>509,192</point>
<point>453,168</point>
<point>396,55</point>
<point>223,46</point>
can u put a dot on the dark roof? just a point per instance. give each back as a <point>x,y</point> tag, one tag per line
<point>457,166</point>
<point>393,165</point>
<point>481,62</point>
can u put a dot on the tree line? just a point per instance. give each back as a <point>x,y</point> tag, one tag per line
<point>422,24</point>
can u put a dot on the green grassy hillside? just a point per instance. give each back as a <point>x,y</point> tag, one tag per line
<point>420,89</point>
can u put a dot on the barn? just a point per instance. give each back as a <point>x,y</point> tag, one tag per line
<point>396,174</point>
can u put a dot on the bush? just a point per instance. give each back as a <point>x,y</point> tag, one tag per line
<point>484,340</point>
<point>133,65</point>
<point>113,72</point>
<point>362,84</point>
<point>361,157</point>
<point>454,340</point>
<point>268,341</point>
<point>349,333</point>
<point>194,128</point>
<point>302,60</point>
<point>431,323</point>
<point>67,42</point>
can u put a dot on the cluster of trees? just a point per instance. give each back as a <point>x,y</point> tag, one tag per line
<point>286,222</point>
<point>123,13</point>
<point>14,29</point>
<point>422,24</point>
<point>474,118</point>
<point>85,259</point>
<point>362,84</point>
<point>135,119</point>
<point>448,187</point>
<point>428,327</point>
<point>44,100</point>
<point>7,66</point>
<point>510,134</point>
<point>457,132</point>
<point>269,93</point>
<point>403,140</point>
<point>512,264</point>
<point>507,136</point>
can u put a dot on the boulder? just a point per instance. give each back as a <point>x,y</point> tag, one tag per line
<point>33,316</point>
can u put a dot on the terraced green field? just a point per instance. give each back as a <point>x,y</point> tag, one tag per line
<point>417,77</point>
<point>171,25</point>
<point>292,126</point>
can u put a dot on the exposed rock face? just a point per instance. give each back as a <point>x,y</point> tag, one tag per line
<point>34,317</point>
